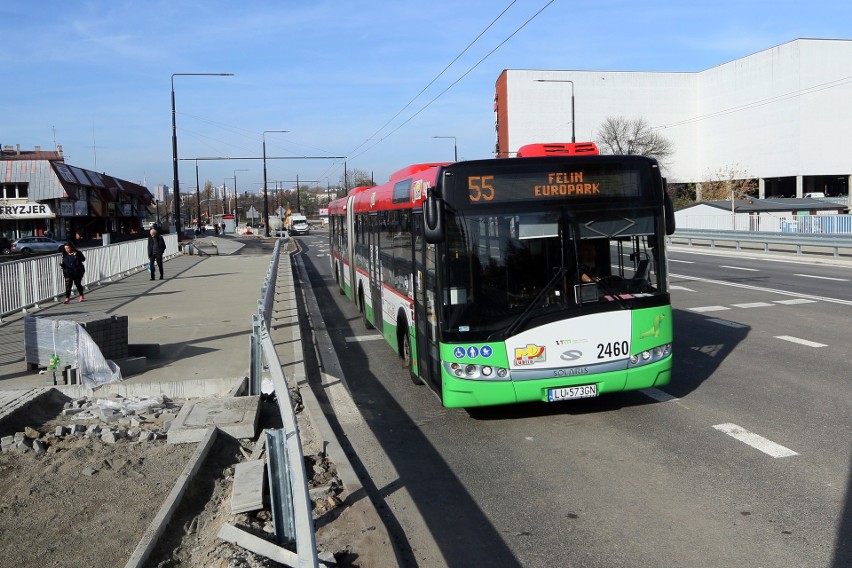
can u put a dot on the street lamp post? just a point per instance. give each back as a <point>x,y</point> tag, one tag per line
<point>573,124</point>
<point>197,193</point>
<point>455,147</point>
<point>176,188</point>
<point>265,193</point>
<point>236,197</point>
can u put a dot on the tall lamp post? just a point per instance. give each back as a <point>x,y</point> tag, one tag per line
<point>455,147</point>
<point>573,123</point>
<point>265,193</point>
<point>236,197</point>
<point>197,193</point>
<point>176,188</point>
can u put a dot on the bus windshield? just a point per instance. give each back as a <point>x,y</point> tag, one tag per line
<point>507,270</point>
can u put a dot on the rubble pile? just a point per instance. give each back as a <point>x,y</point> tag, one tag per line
<point>111,419</point>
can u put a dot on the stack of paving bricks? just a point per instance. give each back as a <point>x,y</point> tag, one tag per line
<point>109,332</point>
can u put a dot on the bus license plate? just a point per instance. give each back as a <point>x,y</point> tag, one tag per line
<point>569,393</point>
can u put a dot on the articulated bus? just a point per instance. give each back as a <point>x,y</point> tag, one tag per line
<point>474,272</point>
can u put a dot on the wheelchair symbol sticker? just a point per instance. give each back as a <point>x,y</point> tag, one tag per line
<point>458,352</point>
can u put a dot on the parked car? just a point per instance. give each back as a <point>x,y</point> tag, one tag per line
<point>5,245</point>
<point>36,245</point>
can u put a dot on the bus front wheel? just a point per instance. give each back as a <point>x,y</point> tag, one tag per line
<point>406,356</point>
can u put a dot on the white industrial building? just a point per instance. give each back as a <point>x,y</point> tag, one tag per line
<point>781,116</point>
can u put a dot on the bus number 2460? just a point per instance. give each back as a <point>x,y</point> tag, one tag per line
<point>614,349</point>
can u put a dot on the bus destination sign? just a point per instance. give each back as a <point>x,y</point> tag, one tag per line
<point>528,186</point>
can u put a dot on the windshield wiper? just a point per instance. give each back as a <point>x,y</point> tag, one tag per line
<point>524,315</point>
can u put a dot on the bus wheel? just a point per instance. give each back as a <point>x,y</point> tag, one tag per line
<point>340,287</point>
<point>363,308</point>
<point>405,354</point>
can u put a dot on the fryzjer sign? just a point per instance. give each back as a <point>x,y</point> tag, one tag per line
<point>25,210</point>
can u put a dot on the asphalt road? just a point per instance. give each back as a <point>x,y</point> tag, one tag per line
<point>744,460</point>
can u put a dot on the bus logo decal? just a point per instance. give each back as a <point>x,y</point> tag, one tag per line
<point>529,355</point>
<point>571,355</point>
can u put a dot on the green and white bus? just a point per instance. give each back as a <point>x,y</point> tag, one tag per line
<point>474,273</point>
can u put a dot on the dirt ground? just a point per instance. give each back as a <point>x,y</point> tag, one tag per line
<point>86,502</point>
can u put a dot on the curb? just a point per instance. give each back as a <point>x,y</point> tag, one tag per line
<point>338,393</point>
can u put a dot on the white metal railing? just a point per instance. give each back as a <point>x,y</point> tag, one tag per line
<point>26,283</point>
<point>809,224</point>
<point>834,242</point>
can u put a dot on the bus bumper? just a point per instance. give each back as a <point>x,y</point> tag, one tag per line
<point>462,393</point>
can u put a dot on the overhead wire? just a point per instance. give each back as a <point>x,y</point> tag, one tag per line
<point>454,83</point>
<point>465,74</point>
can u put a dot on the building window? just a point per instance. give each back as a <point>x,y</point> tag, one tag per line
<point>18,190</point>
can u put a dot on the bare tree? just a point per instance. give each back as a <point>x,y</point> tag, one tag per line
<point>356,178</point>
<point>619,135</point>
<point>725,180</point>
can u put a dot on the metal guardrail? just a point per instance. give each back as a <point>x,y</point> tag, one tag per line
<point>291,503</point>
<point>26,283</point>
<point>835,242</point>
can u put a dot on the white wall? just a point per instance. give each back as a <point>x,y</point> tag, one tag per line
<point>780,112</point>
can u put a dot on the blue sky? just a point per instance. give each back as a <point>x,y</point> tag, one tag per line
<point>95,77</point>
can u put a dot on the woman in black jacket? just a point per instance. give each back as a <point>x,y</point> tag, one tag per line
<point>73,270</point>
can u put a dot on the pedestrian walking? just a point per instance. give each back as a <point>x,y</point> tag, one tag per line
<point>156,248</point>
<point>73,269</point>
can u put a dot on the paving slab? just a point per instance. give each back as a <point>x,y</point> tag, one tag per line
<point>235,416</point>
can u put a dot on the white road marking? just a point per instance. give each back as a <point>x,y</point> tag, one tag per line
<point>682,261</point>
<point>658,395</point>
<point>753,305</point>
<point>800,341</point>
<point>684,288</point>
<point>363,338</point>
<point>755,441</point>
<point>727,323</point>
<point>762,289</point>
<point>740,268</point>
<point>703,309</point>
<point>795,301</point>
<point>822,277</point>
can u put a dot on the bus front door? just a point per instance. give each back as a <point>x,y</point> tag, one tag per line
<point>428,358</point>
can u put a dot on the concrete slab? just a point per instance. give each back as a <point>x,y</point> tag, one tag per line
<point>247,493</point>
<point>235,416</point>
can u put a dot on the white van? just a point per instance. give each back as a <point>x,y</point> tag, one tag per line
<point>299,225</point>
<point>814,195</point>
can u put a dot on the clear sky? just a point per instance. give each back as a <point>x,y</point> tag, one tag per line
<point>373,81</point>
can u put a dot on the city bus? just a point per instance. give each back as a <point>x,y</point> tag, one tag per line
<point>474,272</point>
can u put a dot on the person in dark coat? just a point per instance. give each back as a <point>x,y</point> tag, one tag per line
<point>73,269</point>
<point>156,248</point>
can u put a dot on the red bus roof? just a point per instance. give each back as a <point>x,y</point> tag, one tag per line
<point>558,149</point>
<point>406,188</point>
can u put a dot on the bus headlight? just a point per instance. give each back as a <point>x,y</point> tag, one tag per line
<point>651,355</point>
<point>473,372</point>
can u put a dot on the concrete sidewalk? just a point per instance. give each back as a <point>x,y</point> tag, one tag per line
<point>200,315</point>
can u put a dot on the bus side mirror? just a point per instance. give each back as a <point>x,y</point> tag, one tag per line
<point>669,213</point>
<point>433,220</point>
